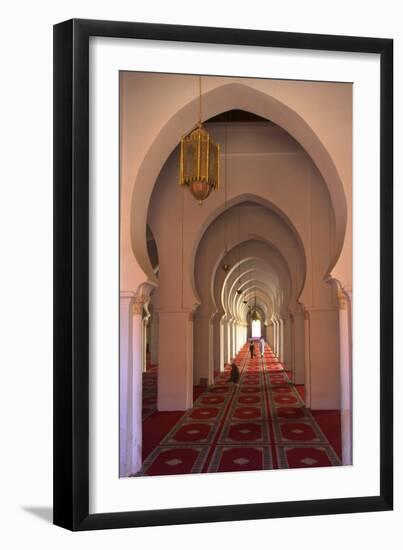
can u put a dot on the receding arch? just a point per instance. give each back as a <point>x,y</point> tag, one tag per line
<point>220,99</point>
<point>237,201</point>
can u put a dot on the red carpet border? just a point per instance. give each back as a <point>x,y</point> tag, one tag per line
<point>261,423</point>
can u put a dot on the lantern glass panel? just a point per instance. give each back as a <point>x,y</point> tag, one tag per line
<point>203,157</point>
<point>190,159</point>
<point>213,164</point>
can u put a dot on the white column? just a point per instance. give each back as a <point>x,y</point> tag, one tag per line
<point>222,340</point>
<point>203,347</point>
<point>131,384</point>
<point>299,347</point>
<point>211,345</point>
<point>270,334</point>
<point>154,338</point>
<point>144,344</point>
<point>190,359</point>
<point>274,337</point>
<point>277,338</point>
<point>228,359</point>
<point>217,344</point>
<point>307,360</point>
<point>292,347</point>
<point>322,358</point>
<point>281,351</point>
<point>288,362</point>
<point>345,378</point>
<point>231,331</point>
<point>125,396</point>
<point>228,341</point>
<point>175,369</point>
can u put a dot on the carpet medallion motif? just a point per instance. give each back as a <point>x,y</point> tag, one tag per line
<point>260,423</point>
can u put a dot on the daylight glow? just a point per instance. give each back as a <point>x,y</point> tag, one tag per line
<point>256,329</point>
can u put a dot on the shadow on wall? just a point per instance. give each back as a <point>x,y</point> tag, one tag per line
<point>44,513</point>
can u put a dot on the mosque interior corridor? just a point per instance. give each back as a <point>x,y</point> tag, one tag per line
<point>259,423</point>
<point>235,226</point>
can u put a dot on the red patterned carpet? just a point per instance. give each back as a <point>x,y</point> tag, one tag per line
<point>261,423</point>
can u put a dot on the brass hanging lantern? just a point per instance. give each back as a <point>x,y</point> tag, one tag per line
<point>199,161</point>
<point>255,315</point>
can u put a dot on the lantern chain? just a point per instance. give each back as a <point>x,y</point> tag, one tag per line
<point>200,99</point>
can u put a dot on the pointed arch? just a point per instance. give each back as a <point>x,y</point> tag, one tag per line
<point>220,99</point>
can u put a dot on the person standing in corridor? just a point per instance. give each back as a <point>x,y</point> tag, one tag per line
<point>234,375</point>
<point>261,346</point>
<point>252,349</point>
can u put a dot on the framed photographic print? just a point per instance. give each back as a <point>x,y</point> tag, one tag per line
<point>223,320</point>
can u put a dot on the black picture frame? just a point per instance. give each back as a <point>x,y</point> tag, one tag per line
<point>71,274</point>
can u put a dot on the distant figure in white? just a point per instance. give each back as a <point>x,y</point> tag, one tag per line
<point>261,346</point>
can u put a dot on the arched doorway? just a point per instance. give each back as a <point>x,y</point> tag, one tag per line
<point>256,328</point>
